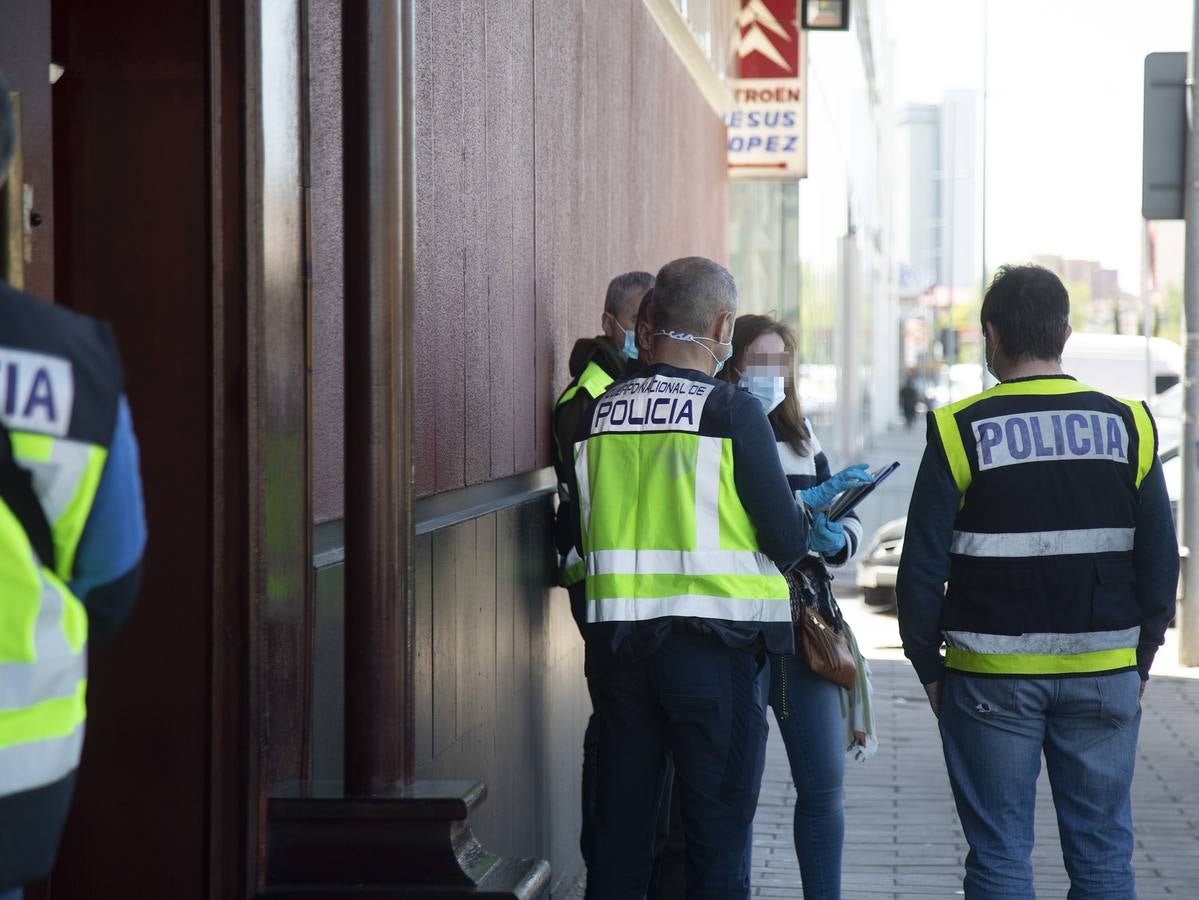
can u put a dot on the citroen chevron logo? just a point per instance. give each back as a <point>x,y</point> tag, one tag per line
<point>756,16</point>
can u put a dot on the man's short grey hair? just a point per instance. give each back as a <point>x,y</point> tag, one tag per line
<point>8,128</point>
<point>690,293</point>
<point>620,287</point>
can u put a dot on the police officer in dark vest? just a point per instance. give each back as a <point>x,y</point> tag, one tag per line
<point>1041,504</point>
<point>72,532</point>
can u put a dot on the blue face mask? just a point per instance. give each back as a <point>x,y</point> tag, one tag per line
<point>629,350</point>
<point>770,390</point>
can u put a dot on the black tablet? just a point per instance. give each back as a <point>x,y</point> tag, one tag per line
<point>847,500</point>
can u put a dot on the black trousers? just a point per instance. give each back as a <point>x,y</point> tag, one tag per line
<point>698,700</point>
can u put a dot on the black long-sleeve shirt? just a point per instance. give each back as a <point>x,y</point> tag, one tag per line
<point>924,567</point>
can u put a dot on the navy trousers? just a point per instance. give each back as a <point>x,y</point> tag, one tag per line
<point>700,700</point>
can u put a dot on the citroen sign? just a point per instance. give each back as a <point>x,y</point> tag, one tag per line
<point>767,129</point>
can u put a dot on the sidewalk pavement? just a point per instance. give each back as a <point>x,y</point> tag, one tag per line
<point>890,500</point>
<point>903,839</point>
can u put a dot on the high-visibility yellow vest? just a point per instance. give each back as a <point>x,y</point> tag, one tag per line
<point>593,381</point>
<point>664,532</point>
<point>1041,572</point>
<point>59,392</point>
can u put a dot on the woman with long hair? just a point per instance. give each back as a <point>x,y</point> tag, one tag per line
<point>807,707</point>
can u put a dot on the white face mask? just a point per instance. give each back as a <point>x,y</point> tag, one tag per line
<point>991,360</point>
<point>770,390</point>
<point>692,339</point>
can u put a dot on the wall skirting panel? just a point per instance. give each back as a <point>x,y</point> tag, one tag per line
<point>499,692</point>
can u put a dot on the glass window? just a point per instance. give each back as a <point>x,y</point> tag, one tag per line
<point>714,24</point>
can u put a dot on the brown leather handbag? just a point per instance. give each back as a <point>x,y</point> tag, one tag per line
<point>824,648</point>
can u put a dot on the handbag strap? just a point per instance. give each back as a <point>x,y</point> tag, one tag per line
<point>817,571</point>
<point>16,490</point>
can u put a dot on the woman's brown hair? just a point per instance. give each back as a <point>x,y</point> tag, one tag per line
<point>787,418</point>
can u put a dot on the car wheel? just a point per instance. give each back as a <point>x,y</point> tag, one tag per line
<point>880,597</point>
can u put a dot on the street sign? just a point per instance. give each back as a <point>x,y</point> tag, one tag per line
<point>1165,136</point>
<point>767,131</point>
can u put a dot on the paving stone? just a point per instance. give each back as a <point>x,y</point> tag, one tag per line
<point>903,840</point>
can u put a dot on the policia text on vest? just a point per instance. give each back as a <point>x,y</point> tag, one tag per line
<point>72,532</point>
<point>683,544</point>
<point>1046,569</point>
<point>684,518</point>
<point>1042,503</point>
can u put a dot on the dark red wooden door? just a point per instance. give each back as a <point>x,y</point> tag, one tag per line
<point>131,163</point>
<point>132,246</point>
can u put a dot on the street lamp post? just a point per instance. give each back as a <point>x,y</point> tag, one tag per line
<point>1188,644</point>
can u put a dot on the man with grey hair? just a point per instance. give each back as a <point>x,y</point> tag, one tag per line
<point>594,364</point>
<point>684,521</point>
<point>72,534</point>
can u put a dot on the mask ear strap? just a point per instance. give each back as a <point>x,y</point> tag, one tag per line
<point>616,322</point>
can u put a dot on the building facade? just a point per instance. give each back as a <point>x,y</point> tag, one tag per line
<point>818,252</point>
<point>346,248</point>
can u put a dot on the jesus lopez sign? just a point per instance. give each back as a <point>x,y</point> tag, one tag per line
<point>767,132</point>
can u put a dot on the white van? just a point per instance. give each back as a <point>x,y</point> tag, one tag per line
<point>1125,365</point>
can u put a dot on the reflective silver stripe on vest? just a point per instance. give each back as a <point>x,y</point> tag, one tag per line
<point>1044,644</point>
<point>583,478</point>
<point>707,493</point>
<point>628,609</point>
<point>57,479</point>
<point>55,671</point>
<point>24,767</point>
<point>679,562</point>
<point>1042,543</point>
<point>27,684</point>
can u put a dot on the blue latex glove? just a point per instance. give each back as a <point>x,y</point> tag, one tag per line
<point>824,536</point>
<point>822,495</point>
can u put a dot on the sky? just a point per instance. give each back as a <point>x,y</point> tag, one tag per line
<point>1064,112</point>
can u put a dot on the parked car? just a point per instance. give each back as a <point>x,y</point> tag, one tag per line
<point>1123,364</point>
<point>1167,413</point>
<point>1172,471</point>
<point>878,565</point>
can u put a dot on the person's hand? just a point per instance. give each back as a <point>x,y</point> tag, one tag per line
<point>933,689</point>
<point>859,738</point>
<point>825,536</point>
<point>822,495</point>
<point>1144,684</point>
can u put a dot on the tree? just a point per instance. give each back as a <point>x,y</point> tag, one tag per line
<point>1082,315</point>
<point>1168,321</point>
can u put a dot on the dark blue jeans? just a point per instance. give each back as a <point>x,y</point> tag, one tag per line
<point>994,731</point>
<point>807,709</point>
<point>591,744</point>
<point>699,699</point>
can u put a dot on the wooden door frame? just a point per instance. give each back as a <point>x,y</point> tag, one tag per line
<point>233,779</point>
<point>261,659</point>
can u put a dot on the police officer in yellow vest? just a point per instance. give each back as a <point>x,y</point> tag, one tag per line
<point>594,364</point>
<point>685,519</point>
<point>72,532</point>
<point>1041,502</point>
